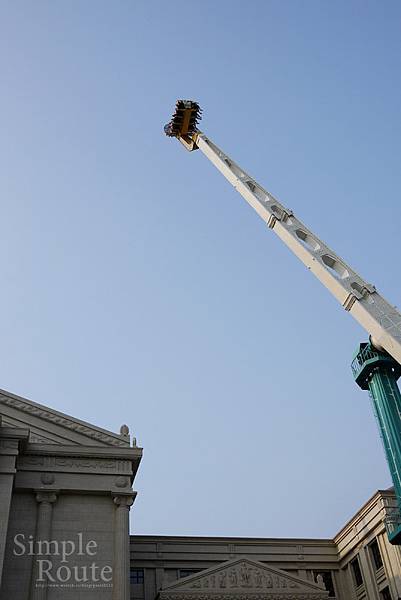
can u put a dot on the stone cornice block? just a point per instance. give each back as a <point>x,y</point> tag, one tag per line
<point>58,424</point>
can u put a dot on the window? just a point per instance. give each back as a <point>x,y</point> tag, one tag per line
<point>375,554</point>
<point>187,572</point>
<point>136,576</point>
<point>385,594</point>
<point>356,570</point>
<point>327,580</point>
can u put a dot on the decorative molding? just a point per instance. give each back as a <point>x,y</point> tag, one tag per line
<point>365,513</point>
<point>34,438</point>
<point>49,497</point>
<point>300,550</point>
<point>9,444</point>
<point>243,576</point>
<point>63,421</point>
<point>47,478</point>
<point>243,579</point>
<point>124,500</point>
<point>68,464</point>
<point>122,482</point>
<point>106,452</point>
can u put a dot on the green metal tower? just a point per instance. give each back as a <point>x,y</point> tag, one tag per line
<point>378,372</point>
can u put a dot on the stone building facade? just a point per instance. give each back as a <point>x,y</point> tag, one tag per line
<point>357,564</point>
<point>65,495</point>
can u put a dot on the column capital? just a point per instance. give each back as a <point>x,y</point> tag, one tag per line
<point>46,496</point>
<point>12,440</point>
<point>124,500</point>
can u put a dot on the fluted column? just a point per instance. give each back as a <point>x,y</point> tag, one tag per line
<point>121,581</point>
<point>43,533</point>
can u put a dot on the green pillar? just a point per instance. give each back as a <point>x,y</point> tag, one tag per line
<point>378,372</point>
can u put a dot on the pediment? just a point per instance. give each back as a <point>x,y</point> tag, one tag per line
<point>48,426</point>
<point>242,578</point>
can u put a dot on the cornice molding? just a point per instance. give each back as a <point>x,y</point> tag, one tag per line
<point>62,420</point>
<point>362,514</point>
<point>127,452</point>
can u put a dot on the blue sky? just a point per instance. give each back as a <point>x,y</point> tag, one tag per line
<point>137,285</point>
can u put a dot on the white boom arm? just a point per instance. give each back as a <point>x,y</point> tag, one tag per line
<point>381,320</point>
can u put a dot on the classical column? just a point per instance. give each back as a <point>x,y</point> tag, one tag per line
<point>8,456</point>
<point>45,502</point>
<point>10,442</point>
<point>121,581</point>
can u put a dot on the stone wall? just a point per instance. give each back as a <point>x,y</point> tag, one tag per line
<point>66,492</point>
